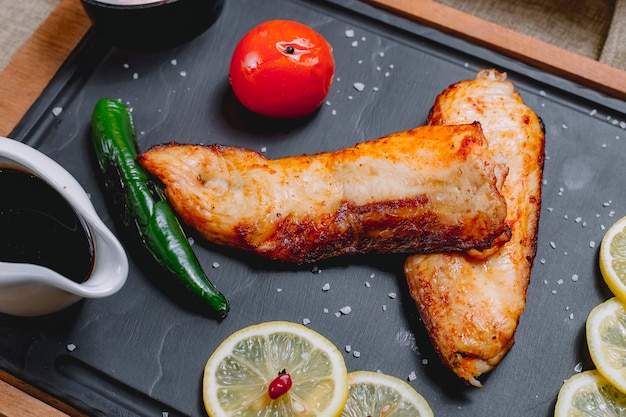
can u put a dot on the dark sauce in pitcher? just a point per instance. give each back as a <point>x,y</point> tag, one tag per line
<point>38,226</point>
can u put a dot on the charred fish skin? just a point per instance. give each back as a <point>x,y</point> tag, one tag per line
<point>429,189</point>
<point>471,307</point>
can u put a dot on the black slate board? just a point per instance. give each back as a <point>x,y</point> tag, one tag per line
<point>141,352</point>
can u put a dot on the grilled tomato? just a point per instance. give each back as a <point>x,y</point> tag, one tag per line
<point>282,68</point>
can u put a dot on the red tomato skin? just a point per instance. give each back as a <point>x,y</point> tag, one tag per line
<point>270,80</point>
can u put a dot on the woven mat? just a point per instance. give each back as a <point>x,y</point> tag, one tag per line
<point>20,18</point>
<point>592,28</point>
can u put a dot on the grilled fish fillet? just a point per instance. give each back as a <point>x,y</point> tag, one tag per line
<point>471,307</point>
<point>433,188</point>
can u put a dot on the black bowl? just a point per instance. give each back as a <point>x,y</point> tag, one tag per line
<point>145,25</point>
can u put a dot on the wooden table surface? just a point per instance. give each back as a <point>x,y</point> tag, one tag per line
<point>36,63</point>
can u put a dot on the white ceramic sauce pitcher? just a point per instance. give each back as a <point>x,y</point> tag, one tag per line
<point>32,290</point>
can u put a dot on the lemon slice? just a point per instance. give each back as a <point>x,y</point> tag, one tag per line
<point>606,338</point>
<point>375,394</point>
<point>275,369</point>
<point>613,258</point>
<point>589,394</point>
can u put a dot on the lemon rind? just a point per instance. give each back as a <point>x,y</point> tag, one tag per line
<point>338,363</point>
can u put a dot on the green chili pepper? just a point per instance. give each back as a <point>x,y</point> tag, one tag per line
<point>144,204</point>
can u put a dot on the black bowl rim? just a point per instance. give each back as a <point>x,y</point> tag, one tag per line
<point>106,5</point>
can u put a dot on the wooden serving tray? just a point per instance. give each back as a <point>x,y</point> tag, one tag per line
<point>567,85</point>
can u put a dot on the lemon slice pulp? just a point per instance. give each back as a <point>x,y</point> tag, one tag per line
<point>376,395</point>
<point>239,373</point>
<point>589,394</point>
<point>606,339</point>
<point>613,258</point>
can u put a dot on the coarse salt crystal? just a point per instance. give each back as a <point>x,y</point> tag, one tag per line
<point>337,314</point>
<point>173,62</point>
<point>560,282</point>
<point>571,316</point>
<point>349,33</point>
<point>215,264</point>
<point>306,322</point>
<point>575,277</point>
<point>71,347</point>
<point>367,284</point>
<point>135,75</point>
<point>412,376</point>
<point>392,295</point>
<point>384,307</point>
<point>578,367</point>
<point>355,44</point>
<point>348,348</point>
<point>592,244</point>
<point>326,287</point>
<point>593,112</point>
<point>263,149</point>
<point>325,311</point>
<point>356,354</point>
<point>424,361</point>
<point>358,86</point>
<point>56,111</point>
<point>183,73</point>
<point>553,245</point>
<point>279,290</point>
<point>345,310</point>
